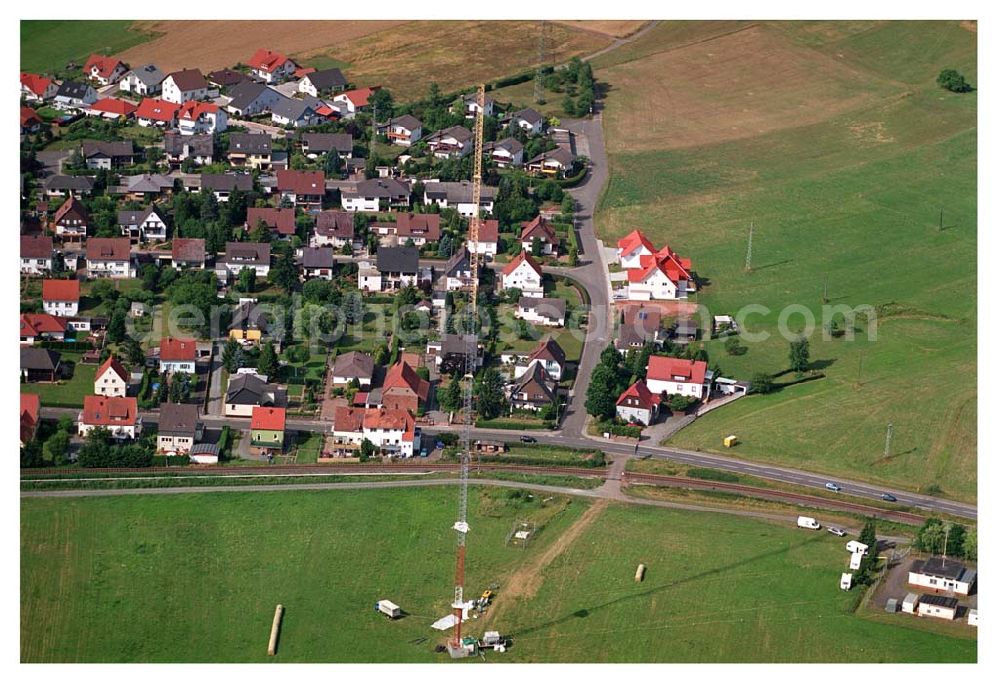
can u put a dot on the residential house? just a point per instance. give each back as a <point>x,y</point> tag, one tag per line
<point>188,252</point>
<point>548,353</point>
<point>111,378</point>
<point>30,122</point>
<point>533,390</point>
<point>267,429</point>
<point>555,163</point>
<point>528,120</point>
<point>178,429</point>
<point>353,366</point>
<point>181,86</point>
<point>374,195</point>
<point>396,267</point>
<point>937,606</point>
<point>304,189</point>
<point>489,236</point>
<point>458,195</point>
<point>550,312</point>
<point>156,112</point>
<point>317,262</point>
<point>61,297</point>
<point>112,109</point>
<point>199,148</point>
<point>201,117</point>
<point>523,273</point>
<point>29,417</point>
<point>505,153</point>
<point>247,391</point>
<point>36,255</point>
<point>661,276</point>
<point>940,574</point>
<point>59,186</point>
<point>470,105</point>
<point>637,404</point>
<point>39,364</point>
<point>251,99</point>
<point>354,101</point>
<point>639,326</point>
<point>146,80</point>
<point>107,155</point>
<point>71,220</point>
<point>540,229</point>
<point>227,78</point>
<point>324,110</point>
<point>317,144</point>
<point>36,88</point>
<point>280,221</point>
<point>451,351</point>
<point>333,228</point>
<point>250,150</point>
<point>42,327</point>
<point>457,272</point>
<point>323,82</point>
<point>404,130</point>
<point>177,355</point>
<point>678,376</point>
<point>271,67</point>
<point>393,432</point>
<point>418,228</point>
<point>147,225</point>
<point>632,248</point>
<point>239,255</point>
<point>119,415</point>
<point>109,257</point>
<point>453,142</point>
<point>104,70</point>
<point>296,113</point>
<point>71,95</point>
<point>145,188</point>
<point>224,184</point>
<point>404,389</point>
<point>249,323</point>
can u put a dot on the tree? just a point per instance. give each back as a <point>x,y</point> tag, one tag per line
<point>231,356</point>
<point>952,80</point>
<point>55,448</point>
<point>930,537</point>
<point>382,104</point>
<point>116,327</point>
<point>450,398</point>
<point>732,345</point>
<point>679,403</point>
<point>955,540</point>
<point>490,401</point>
<point>970,545</point>
<point>368,450</point>
<point>267,364</point>
<point>247,280</point>
<point>602,393</point>
<point>284,273</point>
<point>798,355</point>
<point>869,562</point>
<point>574,256</point>
<point>132,351</point>
<point>317,290</point>
<point>380,356</point>
<point>761,382</point>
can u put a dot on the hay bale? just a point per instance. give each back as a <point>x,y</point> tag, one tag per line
<point>640,572</point>
<point>272,645</point>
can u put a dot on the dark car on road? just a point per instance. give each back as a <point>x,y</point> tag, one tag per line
<point>528,439</point>
<point>887,497</point>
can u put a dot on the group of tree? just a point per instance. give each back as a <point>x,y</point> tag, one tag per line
<point>952,80</point>
<point>607,382</point>
<point>53,450</point>
<point>99,451</point>
<point>489,395</point>
<point>955,540</point>
<point>865,574</point>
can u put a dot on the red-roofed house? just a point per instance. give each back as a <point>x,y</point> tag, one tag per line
<point>305,189</point>
<point>178,355</point>
<point>391,431</point>
<point>678,376</point>
<point>36,254</point>
<point>404,389</point>
<point>112,108</point>
<point>489,235</point>
<point>201,117</point>
<point>30,122</point>
<point>539,228</point>
<point>71,220</point>
<point>104,70</point>
<point>154,111</point>
<point>181,86</point>
<point>41,327</point>
<point>110,257</point>
<point>280,220</point>
<point>118,415</point>
<point>632,247</point>
<point>638,404</point>
<point>30,405</point>
<point>271,67</point>
<point>111,378</point>
<point>61,297</point>
<point>35,88</point>
<point>660,276</point>
<point>525,274</point>
<point>267,429</point>
<point>355,100</point>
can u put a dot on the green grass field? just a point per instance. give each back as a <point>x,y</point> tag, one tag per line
<point>47,46</point>
<point>68,392</point>
<point>196,578</point>
<point>845,194</point>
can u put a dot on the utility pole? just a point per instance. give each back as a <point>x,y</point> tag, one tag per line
<point>944,550</point>
<point>941,220</point>
<point>888,440</point>
<point>539,86</point>
<point>826,286</point>
<point>749,247</point>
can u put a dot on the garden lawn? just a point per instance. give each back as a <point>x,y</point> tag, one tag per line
<point>68,392</point>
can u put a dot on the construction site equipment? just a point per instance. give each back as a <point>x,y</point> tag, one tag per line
<point>487,596</point>
<point>729,441</point>
<point>388,609</point>
<point>640,572</point>
<point>272,644</point>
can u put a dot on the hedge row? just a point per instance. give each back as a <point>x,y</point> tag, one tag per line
<point>713,475</point>
<point>573,180</point>
<point>626,430</point>
<point>511,425</point>
<point>67,345</point>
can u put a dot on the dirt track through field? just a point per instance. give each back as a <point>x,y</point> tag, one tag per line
<point>526,580</point>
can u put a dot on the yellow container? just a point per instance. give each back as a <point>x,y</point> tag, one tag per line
<point>729,441</point>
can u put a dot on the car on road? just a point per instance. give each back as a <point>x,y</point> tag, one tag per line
<point>528,439</point>
<point>839,532</point>
<point>887,497</point>
<point>833,486</point>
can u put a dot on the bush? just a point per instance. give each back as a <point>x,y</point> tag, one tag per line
<point>627,430</point>
<point>953,81</point>
<point>172,461</point>
<point>713,475</point>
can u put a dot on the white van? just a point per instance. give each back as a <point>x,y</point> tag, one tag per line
<point>808,522</point>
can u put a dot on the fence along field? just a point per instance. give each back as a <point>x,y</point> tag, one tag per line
<point>847,198</point>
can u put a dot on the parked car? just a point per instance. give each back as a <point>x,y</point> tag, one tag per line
<point>833,486</point>
<point>839,532</point>
<point>528,439</point>
<point>887,497</point>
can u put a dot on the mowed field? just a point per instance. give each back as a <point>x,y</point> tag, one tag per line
<point>834,140</point>
<point>196,577</point>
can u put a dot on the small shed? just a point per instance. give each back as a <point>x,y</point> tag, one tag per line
<point>138,309</point>
<point>910,603</point>
<point>974,617</point>
<point>490,446</point>
<point>204,453</point>
<point>938,606</point>
<point>891,605</point>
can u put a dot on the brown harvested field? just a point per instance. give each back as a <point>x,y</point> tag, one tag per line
<point>739,85</point>
<point>210,45</point>
<point>614,28</point>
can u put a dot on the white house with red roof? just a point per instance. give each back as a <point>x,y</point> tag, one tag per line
<point>41,327</point>
<point>489,235</point>
<point>353,101</point>
<point>111,378</point>
<point>678,376</point>
<point>271,67</point>
<point>540,229</point>
<point>661,276</point>
<point>525,274</point>
<point>181,86</point>
<point>304,189</point>
<point>632,247</point>
<point>36,88</point>
<point>104,70</point>
<point>61,297</point>
<point>119,415</point>
<point>201,117</point>
<point>154,111</point>
<point>391,431</point>
<point>638,404</point>
<point>178,355</point>
<point>112,108</point>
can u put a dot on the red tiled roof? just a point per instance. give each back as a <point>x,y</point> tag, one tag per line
<point>348,419</point>
<point>110,105</point>
<point>489,231</point>
<point>30,404</point>
<point>156,109</point>
<point>639,391</point>
<point>115,366</point>
<point>34,324</point>
<point>522,257</point>
<point>401,375</point>
<point>359,97</point>
<point>193,109</point>
<point>427,225</point>
<point>633,240</point>
<point>668,265</point>
<point>29,117</point>
<point>36,247</point>
<point>267,60</point>
<point>108,248</point>
<point>280,219</point>
<point>301,182</point>
<point>61,290</point>
<point>396,420</point>
<point>304,71</point>
<point>538,227</point>
<point>99,410</point>
<point>105,65</point>
<point>177,350</point>
<point>662,368</point>
<point>188,80</point>
<point>74,205</point>
<point>268,418</point>
<point>188,249</point>
<point>37,84</point>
